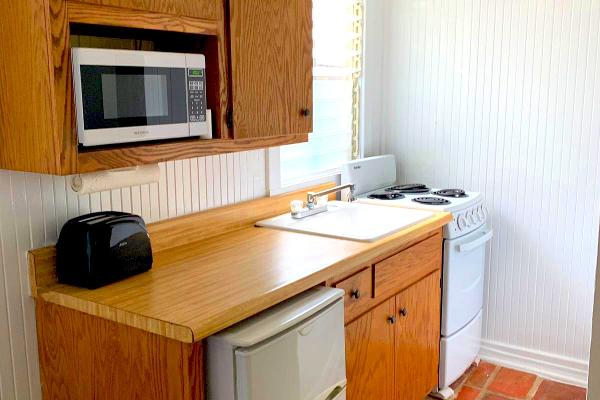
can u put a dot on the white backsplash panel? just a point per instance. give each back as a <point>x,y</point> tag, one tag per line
<point>503,97</point>
<point>34,207</point>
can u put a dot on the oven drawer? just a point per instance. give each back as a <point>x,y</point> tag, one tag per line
<point>358,290</point>
<point>407,267</point>
<point>463,279</point>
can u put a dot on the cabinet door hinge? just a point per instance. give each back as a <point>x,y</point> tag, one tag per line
<point>229,118</point>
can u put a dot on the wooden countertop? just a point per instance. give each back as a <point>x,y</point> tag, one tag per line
<point>200,288</point>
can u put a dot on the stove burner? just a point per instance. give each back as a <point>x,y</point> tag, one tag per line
<point>456,193</point>
<point>386,196</point>
<point>432,201</point>
<point>412,188</point>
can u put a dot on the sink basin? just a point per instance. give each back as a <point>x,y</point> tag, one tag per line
<point>354,221</point>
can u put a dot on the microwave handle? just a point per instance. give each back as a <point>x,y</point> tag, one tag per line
<point>465,247</point>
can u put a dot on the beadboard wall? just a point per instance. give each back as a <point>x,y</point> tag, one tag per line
<point>34,207</point>
<point>503,97</point>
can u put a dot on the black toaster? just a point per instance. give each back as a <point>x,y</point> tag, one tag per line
<point>96,249</point>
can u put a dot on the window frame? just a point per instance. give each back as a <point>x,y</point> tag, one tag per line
<point>273,154</point>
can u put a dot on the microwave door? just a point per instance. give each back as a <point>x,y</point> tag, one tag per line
<point>132,103</point>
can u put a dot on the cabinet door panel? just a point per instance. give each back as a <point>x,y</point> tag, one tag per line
<point>418,339</point>
<point>271,63</point>
<point>27,136</point>
<point>370,355</point>
<point>208,9</point>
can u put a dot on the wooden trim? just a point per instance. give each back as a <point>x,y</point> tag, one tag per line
<point>42,271</point>
<point>62,74</point>
<point>99,160</point>
<point>218,221</point>
<point>123,17</point>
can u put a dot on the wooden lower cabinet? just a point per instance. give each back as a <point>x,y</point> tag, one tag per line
<point>370,354</point>
<point>392,351</point>
<point>86,357</point>
<point>417,342</point>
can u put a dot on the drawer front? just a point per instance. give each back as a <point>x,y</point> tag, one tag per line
<point>207,9</point>
<point>401,270</point>
<point>359,292</point>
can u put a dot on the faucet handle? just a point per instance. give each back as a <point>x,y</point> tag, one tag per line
<point>296,206</point>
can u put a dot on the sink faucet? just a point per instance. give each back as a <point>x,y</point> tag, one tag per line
<point>312,206</point>
<point>311,197</point>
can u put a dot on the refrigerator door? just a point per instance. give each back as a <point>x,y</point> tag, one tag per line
<point>306,362</point>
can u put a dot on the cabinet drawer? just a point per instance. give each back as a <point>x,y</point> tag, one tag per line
<point>359,291</point>
<point>407,267</point>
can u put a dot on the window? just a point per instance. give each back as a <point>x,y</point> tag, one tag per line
<point>337,60</point>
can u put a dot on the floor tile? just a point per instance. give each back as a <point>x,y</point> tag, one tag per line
<point>549,390</point>
<point>481,374</point>
<point>463,378</point>
<point>494,397</point>
<point>468,393</point>
<point>512,383</point>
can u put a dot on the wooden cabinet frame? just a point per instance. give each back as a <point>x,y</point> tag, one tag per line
<point>37,130</point>
<point>397,325</point>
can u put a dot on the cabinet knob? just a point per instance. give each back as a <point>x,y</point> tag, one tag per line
<point>391,319</point>
<point>355,294</point>
<point>305,112</point>
<point>403,312</point>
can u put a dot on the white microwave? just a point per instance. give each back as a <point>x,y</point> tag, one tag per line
<point>124,96</point>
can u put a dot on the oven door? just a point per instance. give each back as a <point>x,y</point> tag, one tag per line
<point>463,275</point>
<point>129,96</point>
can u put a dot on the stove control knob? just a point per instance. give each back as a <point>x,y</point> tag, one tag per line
<point>461,222</point>
<point>483,213</point>
<point>472,217</point>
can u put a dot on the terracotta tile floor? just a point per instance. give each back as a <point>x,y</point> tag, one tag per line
<point>490,382</point>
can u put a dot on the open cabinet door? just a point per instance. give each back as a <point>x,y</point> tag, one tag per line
<point>594,374</point>
<point>271,67</point>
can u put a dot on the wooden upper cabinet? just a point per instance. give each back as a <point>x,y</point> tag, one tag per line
<point>207,9</point>
<point>271,62</point>
<point>370,354</point>
<point>26,107</point>
<point>418,339</point>
<point>258,58</point>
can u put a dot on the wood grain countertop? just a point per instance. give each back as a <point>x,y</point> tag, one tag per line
<point>202,287</point>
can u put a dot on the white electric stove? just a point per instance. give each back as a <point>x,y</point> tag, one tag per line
<point>463,267</point>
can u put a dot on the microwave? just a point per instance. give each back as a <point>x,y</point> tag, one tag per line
<point>124,96</point>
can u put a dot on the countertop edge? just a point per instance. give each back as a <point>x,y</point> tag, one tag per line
<point>166,329</point>
<point>232,315</point>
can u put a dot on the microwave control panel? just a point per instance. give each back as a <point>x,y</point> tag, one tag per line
<point>196,85</point>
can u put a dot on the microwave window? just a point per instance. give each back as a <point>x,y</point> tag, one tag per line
<point>132,96</point>
<point>120,96</point>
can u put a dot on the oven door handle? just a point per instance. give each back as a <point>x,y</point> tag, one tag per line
<point>465,247</point>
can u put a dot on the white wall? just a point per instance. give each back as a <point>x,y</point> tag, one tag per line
<point>594,381</point>
<point>33,208</point>
<point>503,97</point>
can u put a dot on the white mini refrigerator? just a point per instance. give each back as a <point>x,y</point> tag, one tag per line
<point>292,351</point>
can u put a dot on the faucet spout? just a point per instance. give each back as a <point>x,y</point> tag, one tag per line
<point>312,207</point>
<point>311,197</point>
